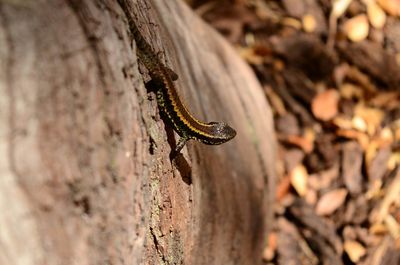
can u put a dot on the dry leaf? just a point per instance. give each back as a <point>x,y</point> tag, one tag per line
<point>292,158</point>
<point>354,74</point>
<point>392,7</point>
<point>339,7</point>
<point>298,179</point>
<point>309,135</point>
<point>323,179</point>
<point>350,91</point>
<point>391,195</point>
<point>393,226</point>
<point>394,161</point>
<point>343,122</point>
<point>382,141</point>
<point>331,201</point>
<point>304,143</point>
<point>361,138</point>
<point>375,190</point>
<point>291,22</point>
<point>386,136</point>
<point>354,250</point>
<point>357,28</point>
<point>372,116</point>
<point>282,188</point>
<point>378,229</point>
<point>387,100</point>
<point>250,56</point>
<point>325,105</point>
<point>309,23</point>
<point>269,251</point>
<point>359,124</point>
<point>311,197</point>
<point>370,152</point>
<point>377,166</point>
<point>339,73</point>
<point>352,157</point>
<point>275,100</point>
<point>396,125</point>
<point>376,15</point>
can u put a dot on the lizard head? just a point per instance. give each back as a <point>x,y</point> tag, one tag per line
<point>222,132</point>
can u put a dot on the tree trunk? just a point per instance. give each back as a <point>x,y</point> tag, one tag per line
<point>86,176</point>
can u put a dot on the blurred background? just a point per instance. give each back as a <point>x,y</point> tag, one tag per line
<point>331,73</point>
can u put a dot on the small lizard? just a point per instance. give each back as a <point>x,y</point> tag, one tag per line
<point>170,104</point>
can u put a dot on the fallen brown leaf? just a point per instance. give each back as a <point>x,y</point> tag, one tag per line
<point>291,22</point>
<point>394,161</point>
<point>325,105</point>
<point>372,116</point>
<point>352,157</point>
<point>250,56</point>
<point>354,74</point>
<point>359,124</point>
<point>362,138</point>
<point>309,23</point>
<point>298,179</point>
<point>354,250</point>
<point>357,28</point>
<point>305,144</point>
<point>275,100</point>
<point>376,15</point>
<point>323,179</point>
<point>392,7</point>
<point>350,91</point>
<point>269,251</point>
<point>311,197</point>
<point>282,188</point>
<point>386,100</point>
<point>392,194</point>
<point>343,122</point>
<point>330,201</point>
<point>339,7</point>
<point>393,226</point>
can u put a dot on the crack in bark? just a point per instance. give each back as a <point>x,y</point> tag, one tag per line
<point>158,246</point>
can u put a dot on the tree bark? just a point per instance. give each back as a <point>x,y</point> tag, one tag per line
<point>85,174</point>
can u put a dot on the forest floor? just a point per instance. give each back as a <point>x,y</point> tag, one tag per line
<point>331,73</point>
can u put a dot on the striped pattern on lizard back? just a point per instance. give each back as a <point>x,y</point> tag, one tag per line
<point>169,102</point>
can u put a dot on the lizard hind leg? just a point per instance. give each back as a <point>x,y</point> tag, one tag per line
<point>181,143</point>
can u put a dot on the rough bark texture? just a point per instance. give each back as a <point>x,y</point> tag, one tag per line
<point>85,174</point>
